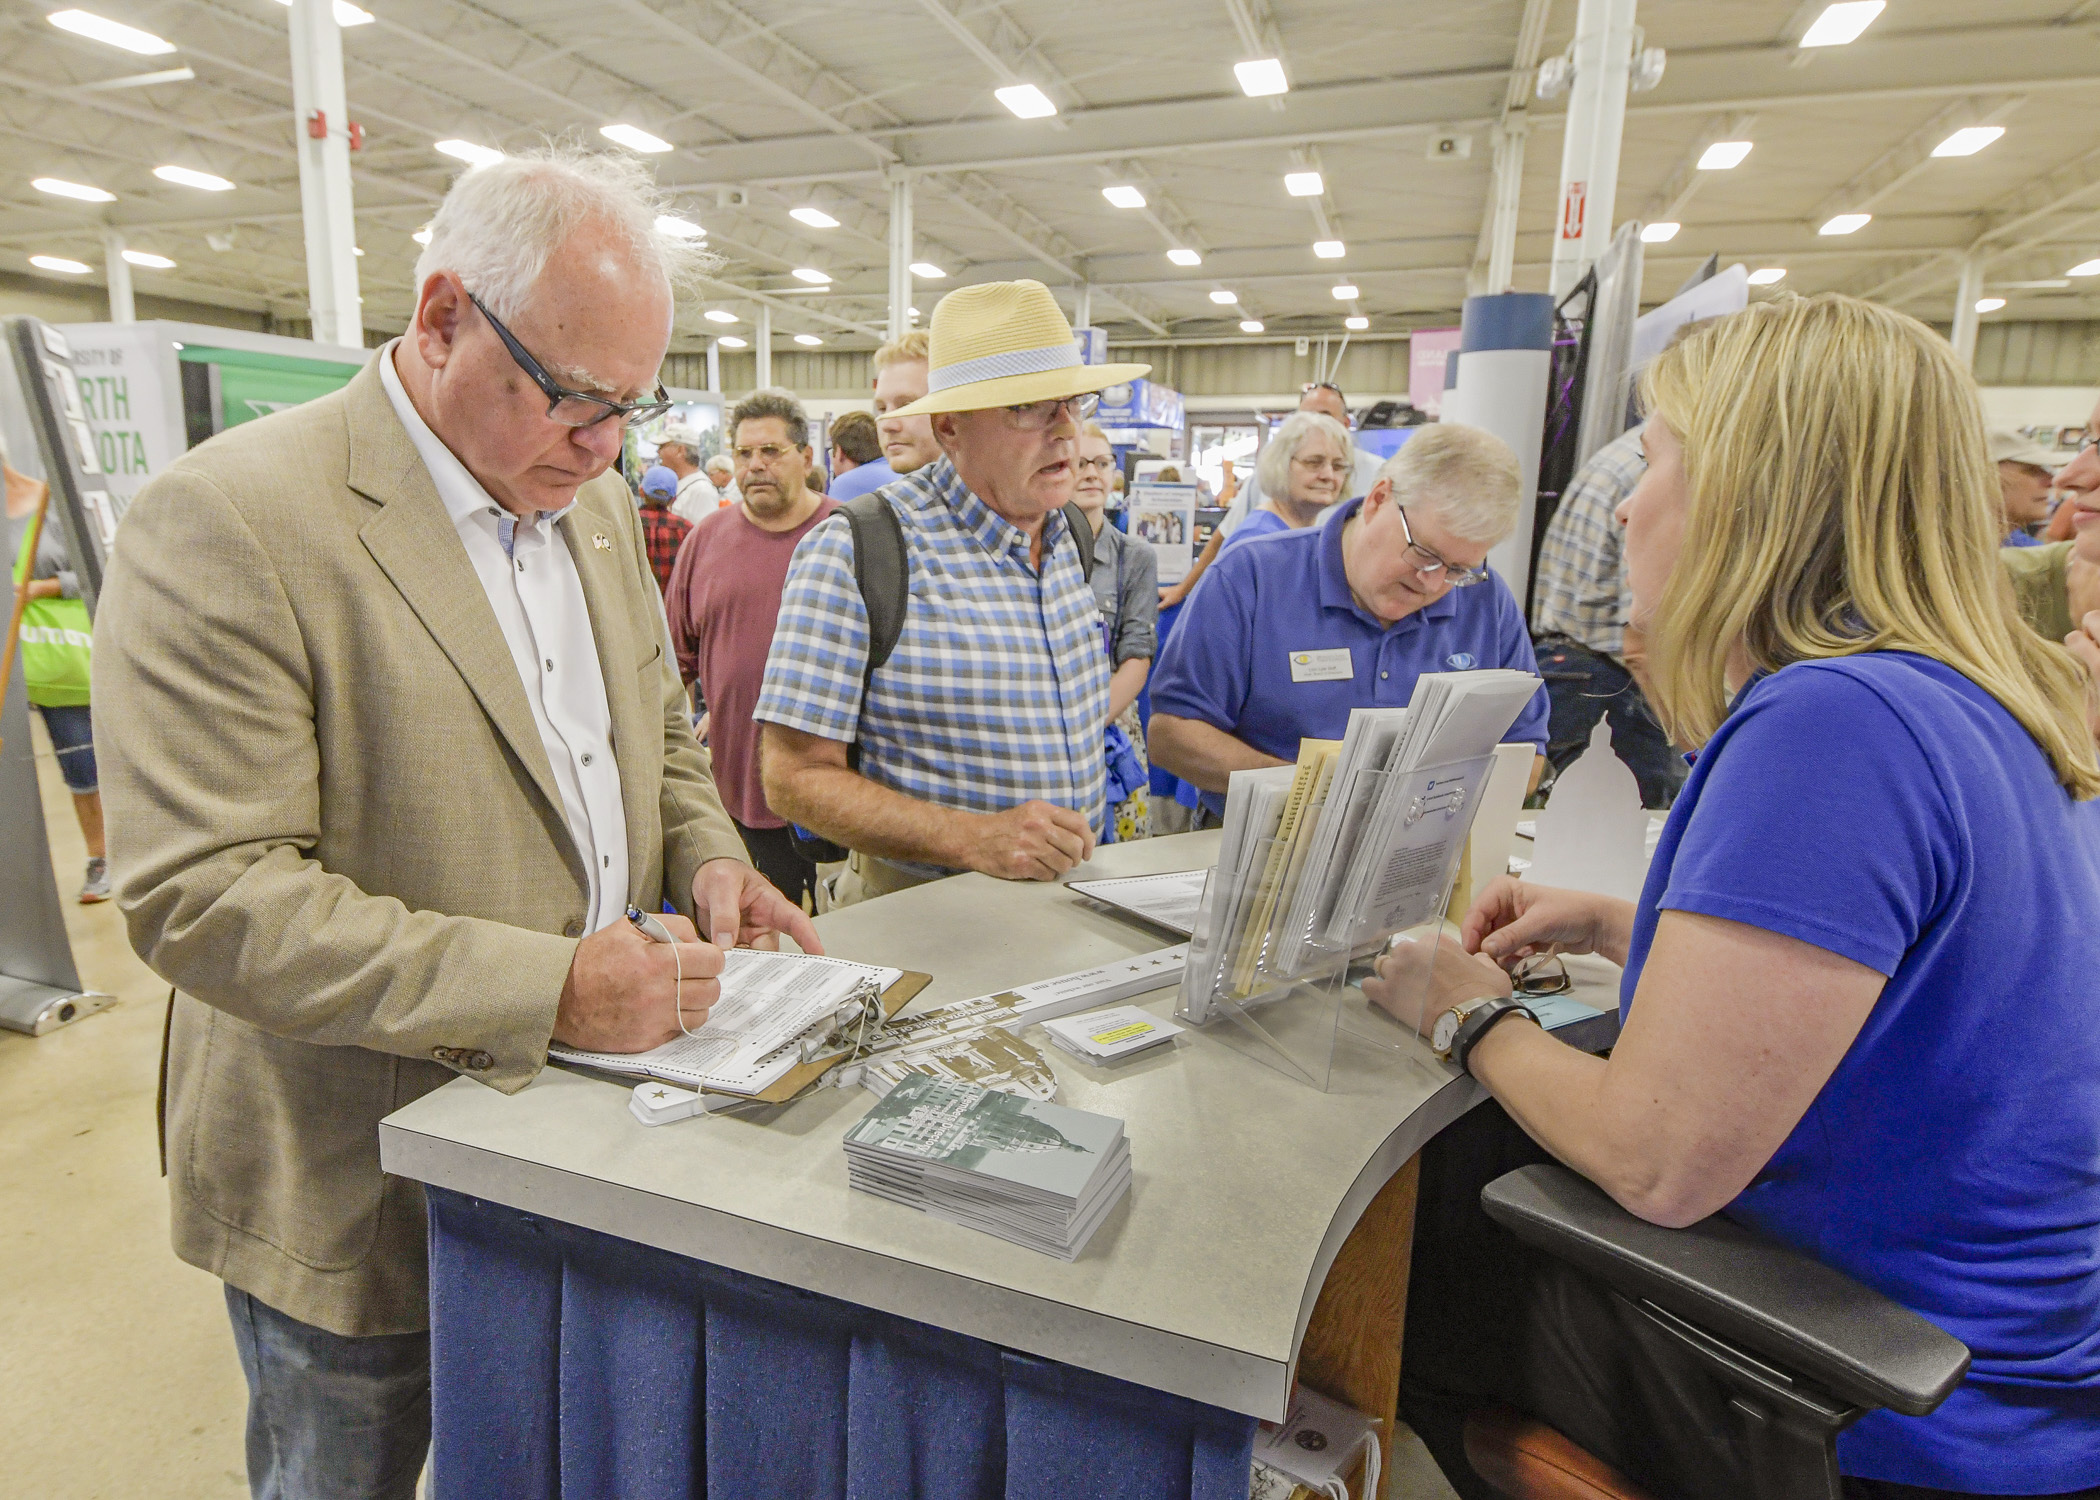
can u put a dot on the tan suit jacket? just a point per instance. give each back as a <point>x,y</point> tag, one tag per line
<point>335,830</point>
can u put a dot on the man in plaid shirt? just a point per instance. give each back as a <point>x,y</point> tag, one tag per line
<point>1582,627</point>
<point>981,738</point>
<point>662,532</point>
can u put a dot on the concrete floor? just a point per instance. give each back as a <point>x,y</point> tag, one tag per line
<point>116,1361</point>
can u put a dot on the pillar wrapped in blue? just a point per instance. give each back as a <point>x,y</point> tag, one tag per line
<point>1506,320</point>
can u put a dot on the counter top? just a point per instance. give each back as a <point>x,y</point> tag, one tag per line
<point>1245,1181</point>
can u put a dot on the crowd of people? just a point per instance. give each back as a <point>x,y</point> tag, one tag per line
<point>395,735</point>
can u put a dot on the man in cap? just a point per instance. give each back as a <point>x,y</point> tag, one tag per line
<point>662,529</point>
<point>679,451</point>
<point>2026,475</point>
<point>980,737</point>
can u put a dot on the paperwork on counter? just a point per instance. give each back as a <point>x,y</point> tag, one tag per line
<point>1106,1036</point>
<point>1355,841</point>
<point>1169,900</point>
<point>1037,1174</point>
<point>782,1020</point>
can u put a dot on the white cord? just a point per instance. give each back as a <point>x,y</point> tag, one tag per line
<point>678,993</point>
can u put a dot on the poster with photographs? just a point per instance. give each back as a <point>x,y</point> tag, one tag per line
<point>1164,515</point>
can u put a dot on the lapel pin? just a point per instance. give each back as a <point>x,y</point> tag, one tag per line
<point>601,541</point>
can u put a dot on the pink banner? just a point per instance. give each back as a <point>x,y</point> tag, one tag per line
<point>1427,350</point>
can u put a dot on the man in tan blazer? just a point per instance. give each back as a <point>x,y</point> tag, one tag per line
<point>392,739</point>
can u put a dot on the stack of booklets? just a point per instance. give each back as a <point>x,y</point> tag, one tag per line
<point>1037,1174</point>
<point>1108,1036</point>
<point>1354,839</point>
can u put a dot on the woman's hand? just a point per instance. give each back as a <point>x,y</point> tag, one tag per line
<point>1413,972</point>
<point>1514,920</point>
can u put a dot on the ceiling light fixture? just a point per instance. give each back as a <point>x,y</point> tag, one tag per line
<point>1261,76</point>
<point>1768,276</point>
<point>1660,233</point>
<point>112,33</point>
<point>1842,23</point>
<point>811,275</point>
<point>58,263</point>
<point>1026,100</point>
<point>1968,140</point>
<point>149,260</point>
<point>1724,155</point>
<point>1846,224</point>
<point>357,250</point>
<point>634,138</point>
<point>1346,292</point>
<point>719,315</point>
<point>470,153</point>
<point>1330,249</point>
<point>58,187</point>
<point>928,270</point>
<point>346,14</point>
<point>1124,196</point>
<point>1250,325</point>
<point>731,341</point>
<point>1356,324</point>
<point>815,218</point>
<point>2085,268</point>
<point>1989,304</point>
<point>422,236</point>
<point>1224,298</point>
<point>189,177</point>
<point>1182,257</point>
<point>679,229</point>
<point>1304,184</point>
<point>808,340</point>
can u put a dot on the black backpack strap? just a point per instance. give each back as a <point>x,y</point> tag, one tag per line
<point>1083,534</point>
<point>879,571</point>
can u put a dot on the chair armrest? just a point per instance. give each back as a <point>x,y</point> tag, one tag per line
<point>1776,1303</point>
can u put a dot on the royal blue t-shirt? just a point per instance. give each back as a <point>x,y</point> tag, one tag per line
<point>1885,808</point>
<point>1234,660</point>
<point>861,479</point>
<point>1261,523</point>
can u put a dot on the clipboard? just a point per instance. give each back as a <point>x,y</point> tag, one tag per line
<point>796,1079</point>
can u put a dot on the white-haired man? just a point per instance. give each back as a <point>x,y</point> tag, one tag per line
<point>679,451</point>
<point>392,743</point>
<point>1297,629</point>
<point>981,734</point>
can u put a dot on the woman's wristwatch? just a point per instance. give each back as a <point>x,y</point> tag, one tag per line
<point>1459,1028</point>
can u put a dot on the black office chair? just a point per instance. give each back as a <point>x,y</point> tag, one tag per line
<point>1805,1351</point>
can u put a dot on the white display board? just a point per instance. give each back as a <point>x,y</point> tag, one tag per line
<point>131,388</point>
<point>1163,516</point>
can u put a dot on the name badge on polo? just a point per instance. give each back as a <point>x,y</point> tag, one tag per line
<point>1322,666</point>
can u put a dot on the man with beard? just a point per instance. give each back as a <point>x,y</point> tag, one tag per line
<point>722,602</point>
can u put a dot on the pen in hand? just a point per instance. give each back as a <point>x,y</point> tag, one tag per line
<point>655,931</point>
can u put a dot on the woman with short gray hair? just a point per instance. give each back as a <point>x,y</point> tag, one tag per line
<point>1303,469</point>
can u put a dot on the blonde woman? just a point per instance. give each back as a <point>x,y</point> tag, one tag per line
<point>1859,992</point>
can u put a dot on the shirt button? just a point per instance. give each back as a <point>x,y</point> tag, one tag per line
<point>1383,675</point>
<point>586,757</point>
<point>550,663</point>
<point>572,929</point>
<point>521,565</point>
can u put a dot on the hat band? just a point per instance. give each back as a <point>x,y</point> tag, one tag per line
<point>1063,356</point>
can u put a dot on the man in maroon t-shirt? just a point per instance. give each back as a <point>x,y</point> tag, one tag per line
<point>723,601</point>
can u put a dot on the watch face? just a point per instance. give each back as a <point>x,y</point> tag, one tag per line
<point>1445,1032</point>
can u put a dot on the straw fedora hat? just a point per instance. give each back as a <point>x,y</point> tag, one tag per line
<point>1005,343</point>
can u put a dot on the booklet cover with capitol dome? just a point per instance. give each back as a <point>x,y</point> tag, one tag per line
<point>960,1129</point>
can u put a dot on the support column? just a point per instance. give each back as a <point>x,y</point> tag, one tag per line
<point>762,346</point>
<point>714,366</point>
<point>900,252</point>
<point>1589,158</point>
<point>321,127</point>
<point>118,271</point>
<point>1083,306</point>
<point>1508,190</point>
<point>1965,314</point>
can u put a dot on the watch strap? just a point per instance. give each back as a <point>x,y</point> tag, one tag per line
<point>1480,1022</point>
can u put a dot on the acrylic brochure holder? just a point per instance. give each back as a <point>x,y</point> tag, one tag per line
<point>1282,945</point>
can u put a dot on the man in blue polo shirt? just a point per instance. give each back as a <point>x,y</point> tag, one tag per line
<point>1291,632</point>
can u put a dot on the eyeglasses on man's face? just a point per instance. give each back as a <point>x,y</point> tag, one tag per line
<point>1040,416</point>
<point>766,453</point>
<point>574,408</point>
<point>1429,565</point>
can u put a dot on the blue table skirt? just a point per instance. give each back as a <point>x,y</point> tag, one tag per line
<point>574,1364</point>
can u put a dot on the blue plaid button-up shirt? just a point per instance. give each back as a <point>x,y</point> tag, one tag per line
<point>1582,591</point>
<point>997,692</point>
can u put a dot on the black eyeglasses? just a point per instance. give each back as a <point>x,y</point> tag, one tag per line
<point>1428,564</point>
<point>1037,416</point>
<point>574,408</point>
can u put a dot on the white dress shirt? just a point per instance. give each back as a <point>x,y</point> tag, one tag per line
<point>530,579</point>
<point>697,497</point>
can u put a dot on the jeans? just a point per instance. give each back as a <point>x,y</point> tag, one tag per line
<point>1585,686</point>
<point>72,730</point>
<point>1491,1320</point>
<point>330,1417</point>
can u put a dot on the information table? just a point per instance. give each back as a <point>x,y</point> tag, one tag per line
<point>1200,1286</point>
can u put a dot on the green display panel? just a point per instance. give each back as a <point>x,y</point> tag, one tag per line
<point>236,386</point>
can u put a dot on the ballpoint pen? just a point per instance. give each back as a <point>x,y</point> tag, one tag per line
<point>655,931</point>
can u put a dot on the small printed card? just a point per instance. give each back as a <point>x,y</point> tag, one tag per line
<point>1105,1035</point>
